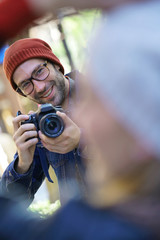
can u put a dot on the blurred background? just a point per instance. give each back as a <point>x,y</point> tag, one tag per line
<point>67,34</point>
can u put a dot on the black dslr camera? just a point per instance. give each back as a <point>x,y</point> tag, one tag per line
<point>46,120</point>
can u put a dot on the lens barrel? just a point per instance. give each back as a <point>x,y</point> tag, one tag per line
<point>51,125</point>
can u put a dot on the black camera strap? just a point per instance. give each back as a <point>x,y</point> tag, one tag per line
<point>43,159</point>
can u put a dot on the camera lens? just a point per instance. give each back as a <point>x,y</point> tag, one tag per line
<point>51,125</point>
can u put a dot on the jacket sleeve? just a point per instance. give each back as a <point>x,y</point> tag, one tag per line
<point>22,187</point>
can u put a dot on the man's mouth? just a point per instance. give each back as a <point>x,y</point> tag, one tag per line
<point>47,93</point>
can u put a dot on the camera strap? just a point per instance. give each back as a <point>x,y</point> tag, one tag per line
<point>43,159</point>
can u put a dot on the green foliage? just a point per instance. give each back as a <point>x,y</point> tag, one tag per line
<point>77,31</point>
<point>44,208</point>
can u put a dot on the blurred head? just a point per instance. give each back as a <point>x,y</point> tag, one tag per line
<point>120,97</point>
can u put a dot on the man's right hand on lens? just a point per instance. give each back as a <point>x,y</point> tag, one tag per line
<point>67,141</point>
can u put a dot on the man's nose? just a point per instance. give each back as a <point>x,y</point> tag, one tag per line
<point>38,85</point>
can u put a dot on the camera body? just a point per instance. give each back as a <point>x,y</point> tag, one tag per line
<point>46,120</point>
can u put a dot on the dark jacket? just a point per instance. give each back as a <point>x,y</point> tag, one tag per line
<point>74,221</point>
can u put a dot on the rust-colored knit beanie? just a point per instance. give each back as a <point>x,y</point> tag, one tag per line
<point>23,50</point>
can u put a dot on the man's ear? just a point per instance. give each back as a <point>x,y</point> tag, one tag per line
<point>57,67</point>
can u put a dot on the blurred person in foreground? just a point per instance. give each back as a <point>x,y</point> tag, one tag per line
<point>121,102</point>
<point>120,105</point>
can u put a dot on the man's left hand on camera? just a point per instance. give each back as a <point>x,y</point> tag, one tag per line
<point>67,141</point>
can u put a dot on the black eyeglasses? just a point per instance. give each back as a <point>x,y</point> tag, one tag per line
<point>39,74</point>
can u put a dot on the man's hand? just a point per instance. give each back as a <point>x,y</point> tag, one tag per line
<point>25,138</point>
<point>67,141</point>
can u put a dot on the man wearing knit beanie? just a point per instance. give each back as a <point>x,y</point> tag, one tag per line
<point>36,73</point>
<point>25,49</point>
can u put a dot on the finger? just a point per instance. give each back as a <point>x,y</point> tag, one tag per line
<point>53,148</point>
<point>22,129</point>
<point>23,146</point>
<point>52,141</point>
<point>25,127</point>
<point>64,117</point>
<point>27,136</point>
<point>16,121</point>
<point>67,121</point>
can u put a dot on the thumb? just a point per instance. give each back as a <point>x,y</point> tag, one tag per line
<point>64,117</point>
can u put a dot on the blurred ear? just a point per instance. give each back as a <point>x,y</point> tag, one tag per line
<point>57,67</point>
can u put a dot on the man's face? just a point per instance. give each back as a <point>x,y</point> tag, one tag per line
<point>51,90</point>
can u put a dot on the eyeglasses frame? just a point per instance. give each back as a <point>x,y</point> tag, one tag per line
<point>18,90</point>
